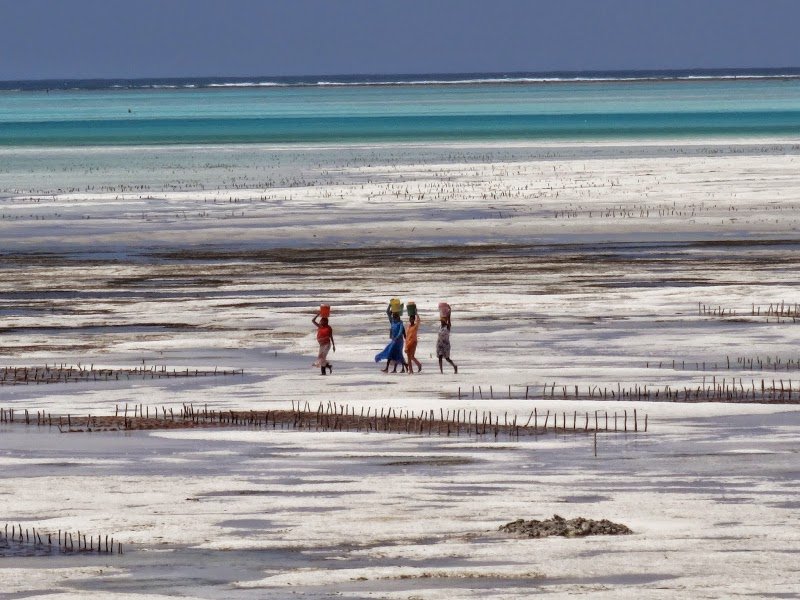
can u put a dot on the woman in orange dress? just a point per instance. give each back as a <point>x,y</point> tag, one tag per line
<point>411,343</point>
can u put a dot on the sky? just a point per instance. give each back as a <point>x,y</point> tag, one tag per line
<point>42,39</point>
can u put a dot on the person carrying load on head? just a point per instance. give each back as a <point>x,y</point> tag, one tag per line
<point>395,306</point>
<point>324,339</point>
<point>393,352</point>
<point>411,338</point>
<point>443,340</point>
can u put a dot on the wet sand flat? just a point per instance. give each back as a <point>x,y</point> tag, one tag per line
<point>568,267</point>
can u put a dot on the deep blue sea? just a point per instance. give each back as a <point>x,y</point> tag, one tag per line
<point>408,108</point>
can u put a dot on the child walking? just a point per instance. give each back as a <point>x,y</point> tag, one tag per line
<point>325,340</point>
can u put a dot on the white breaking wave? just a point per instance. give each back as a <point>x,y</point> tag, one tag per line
<point>248,84</point>
<point>496,80</point>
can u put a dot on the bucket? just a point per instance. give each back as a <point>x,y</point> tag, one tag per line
<point>396,306</point>
<point>325,310</point>
<point>411,309</point>
<point>444,310</point>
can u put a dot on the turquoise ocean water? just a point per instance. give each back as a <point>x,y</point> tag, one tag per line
<point>410,109</point>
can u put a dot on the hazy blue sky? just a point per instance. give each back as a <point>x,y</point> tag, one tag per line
<point>152,38</point>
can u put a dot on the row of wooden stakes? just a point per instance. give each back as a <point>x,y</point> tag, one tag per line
<point>63,542</point>
<point>77,374</point>
<point>722,390</point>
<point>340,417</point>
<point>741,363</point>
<point>779,310</point>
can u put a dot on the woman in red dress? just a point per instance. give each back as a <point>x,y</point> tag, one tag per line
<point>325,340</point>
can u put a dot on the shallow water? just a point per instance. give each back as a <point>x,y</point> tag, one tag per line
<point>369,114</point>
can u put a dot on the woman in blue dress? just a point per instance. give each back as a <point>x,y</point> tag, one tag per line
<point>394,350</point>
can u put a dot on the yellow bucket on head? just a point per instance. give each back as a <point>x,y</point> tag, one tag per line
<point>396,306</point>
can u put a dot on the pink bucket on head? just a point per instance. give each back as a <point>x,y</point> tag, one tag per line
<point>444,310</point>
<point>325,310</point>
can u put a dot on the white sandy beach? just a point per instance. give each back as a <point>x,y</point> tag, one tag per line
<point>548,194</point>
<point>566,265</point>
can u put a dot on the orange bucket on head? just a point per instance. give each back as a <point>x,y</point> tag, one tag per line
<point>325,310</point>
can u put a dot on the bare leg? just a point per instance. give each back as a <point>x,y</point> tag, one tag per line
<point>441,370</point>
<point>386,369</point>
<point>412,360</point>
<point>455,367</point>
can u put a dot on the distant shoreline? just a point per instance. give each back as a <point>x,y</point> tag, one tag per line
<point>388,80</point>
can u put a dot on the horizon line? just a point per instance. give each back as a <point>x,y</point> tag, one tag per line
<point>500,74</point>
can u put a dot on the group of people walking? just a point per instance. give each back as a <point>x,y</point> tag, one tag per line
<point>402,339</point>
